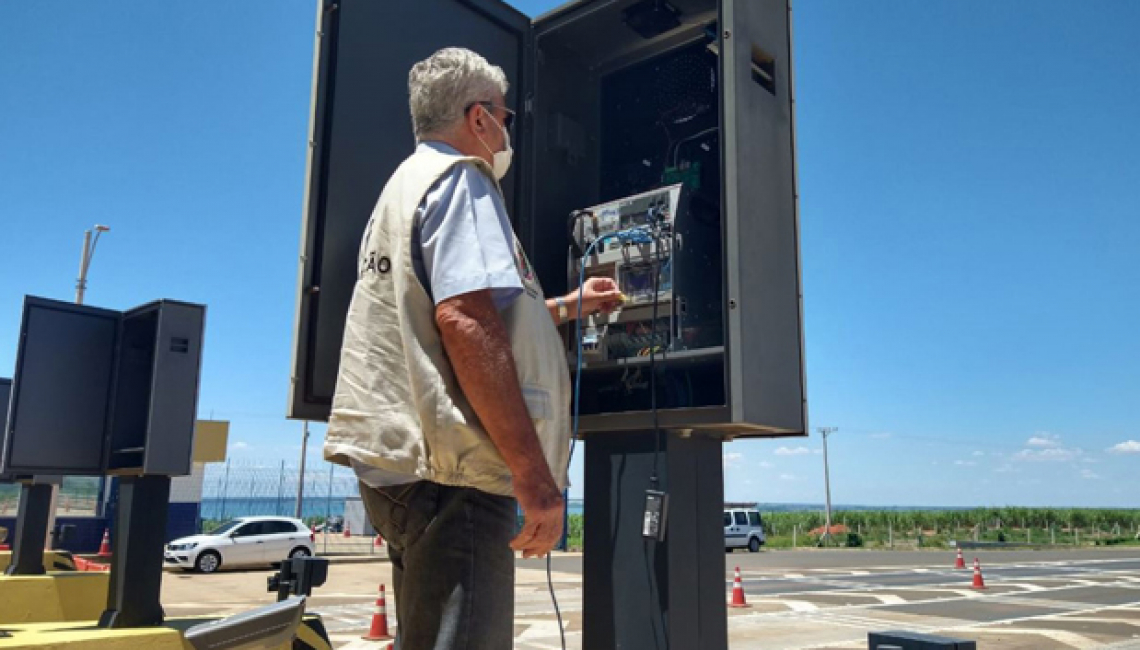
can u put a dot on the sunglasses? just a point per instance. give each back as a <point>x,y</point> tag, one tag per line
<point>508,121</point>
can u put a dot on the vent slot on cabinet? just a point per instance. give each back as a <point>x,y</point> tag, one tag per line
<point>764,69</point>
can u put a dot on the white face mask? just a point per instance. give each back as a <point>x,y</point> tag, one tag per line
<point>501,159</point>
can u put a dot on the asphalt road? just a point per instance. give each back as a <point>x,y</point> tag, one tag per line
<point>1042,599</point>
<point>857,559</point>
<point>798,599</point>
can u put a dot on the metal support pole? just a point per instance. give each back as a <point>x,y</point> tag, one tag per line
<point>28,549</point>
<point>280,488</point>
<point>84,260</point>
<point>564,543</point>
<point>328,506</point>
<point>225,489</point>
<point>645,594</point>
<point>136,560</point>
<point>301,477</point>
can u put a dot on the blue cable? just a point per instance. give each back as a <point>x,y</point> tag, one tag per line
<point>638,235</point>
<point>578,337</point>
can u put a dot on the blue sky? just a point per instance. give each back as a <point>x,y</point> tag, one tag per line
<point>968,174</point>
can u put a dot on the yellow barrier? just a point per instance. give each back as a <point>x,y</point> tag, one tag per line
<point>53,561</point>
<point>54,598</point>
<point>84,636</point>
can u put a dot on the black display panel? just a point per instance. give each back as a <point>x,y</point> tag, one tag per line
<point>65,350</point>
<point>361,131</point>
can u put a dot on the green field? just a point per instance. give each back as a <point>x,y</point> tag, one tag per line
<point>936,528</point>
<point>913,529</point>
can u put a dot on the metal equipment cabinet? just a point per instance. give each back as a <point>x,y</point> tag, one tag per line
<point>558,65</point>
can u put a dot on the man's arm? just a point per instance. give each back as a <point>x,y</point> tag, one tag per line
<point>598,294</point>
<point>477,344</point>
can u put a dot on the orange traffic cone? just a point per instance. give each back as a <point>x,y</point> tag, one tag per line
<point>105,545</point>
<point>347,532</point>
<point>379,541</point>
<point>379,629</point>
<point>979,583</point>
<point>961,563</point>
<point>738,592</point>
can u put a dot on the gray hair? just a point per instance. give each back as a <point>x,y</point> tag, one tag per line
<point>447,82</point>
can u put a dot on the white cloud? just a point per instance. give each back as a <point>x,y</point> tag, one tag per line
<point>766,465</point>
<point>1051,454</point>
<point>792,451</point>
<point>817,451</point>
<point>732,458</point>
<point>979,453</point>
<point>1089,474</point>
<point>965,463</point>
<point>787,477</point>
<point>238,444</point>
<point>1006,469</point>
<point>1046,440</point>
<point>1129,447</point>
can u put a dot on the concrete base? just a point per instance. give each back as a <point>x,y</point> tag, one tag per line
<point>53,561</point>
<point>85,636</point>
<point>54,598</point>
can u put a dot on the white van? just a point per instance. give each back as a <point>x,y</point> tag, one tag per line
<point>743,529</point>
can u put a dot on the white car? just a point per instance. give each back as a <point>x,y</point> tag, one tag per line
<point>743,528</point>
<point>245,541</point>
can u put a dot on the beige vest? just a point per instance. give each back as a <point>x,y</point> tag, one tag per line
<point>398,405</point>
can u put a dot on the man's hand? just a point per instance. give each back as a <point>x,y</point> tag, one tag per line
<point>543,509</point>
<point>597,295</point>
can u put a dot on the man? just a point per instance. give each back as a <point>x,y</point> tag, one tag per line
<point>453,394</point>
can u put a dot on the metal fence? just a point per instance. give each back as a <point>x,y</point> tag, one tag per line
<point>239,488</point>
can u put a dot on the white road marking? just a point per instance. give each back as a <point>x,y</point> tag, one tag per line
<point>539,629</point>
<point>1027,586</point>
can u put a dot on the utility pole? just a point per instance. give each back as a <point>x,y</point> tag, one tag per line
<point>826,431</point>
<point>301,478</point>
<point>89,245</point>
<point>85,257</point>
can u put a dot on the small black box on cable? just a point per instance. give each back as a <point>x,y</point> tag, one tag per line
<point>656,513</point>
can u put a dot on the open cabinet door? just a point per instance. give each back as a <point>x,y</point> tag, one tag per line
<point>761,217</point>
<point>360,132</point>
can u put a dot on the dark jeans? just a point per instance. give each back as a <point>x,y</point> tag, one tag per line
<point>452,564</point>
